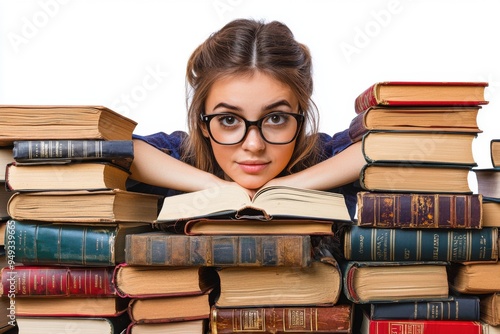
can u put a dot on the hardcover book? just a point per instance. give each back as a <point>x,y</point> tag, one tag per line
<point>118,152</point>
<point>374,282</point>
<point>166,249</point>
<point>45,281</point>
<point>495,152</point>
<point>103,206</point>
<point>387,244</point>
<point>490,308</point>
<point>491,212</point>
<point>73,176</point>
<point>419,147</point>
<point>371,326</point>
<point>150,281</point>
<point>488,181</point>
<point>46,324</point>
<point>180,327</point>
<point>39,243</point>
<point>267,204</point>
<point>405,93</point>
<point>17,122</point>
<point>170,309</point>
<point>475,277</point>
<point>406,177</point>
<point>462,307</point>
<point>5,159</point>
<point>327,319</point>
<point>419,210</point>
<point>414,118</point>
<point>318,284</point>
<point>4,199</point>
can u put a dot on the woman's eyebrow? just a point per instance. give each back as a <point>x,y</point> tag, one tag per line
<point>277,104</point>
<point>227,106</point>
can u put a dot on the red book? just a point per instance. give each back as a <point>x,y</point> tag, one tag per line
<point>46,281</point>
<point>370,326</point>
<point>406,93</point>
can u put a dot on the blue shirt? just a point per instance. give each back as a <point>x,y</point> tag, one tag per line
<point>171,144</point>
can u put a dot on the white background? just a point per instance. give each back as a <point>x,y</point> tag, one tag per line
<point>130,55</point>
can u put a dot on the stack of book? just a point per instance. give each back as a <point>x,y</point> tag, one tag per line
<point>69,213</point>
<point>269,262</point>
<point>482,279</point>
<point>416,213</point>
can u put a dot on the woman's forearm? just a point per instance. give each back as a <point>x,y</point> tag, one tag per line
<point>336,171</point>
<point>154,167</point>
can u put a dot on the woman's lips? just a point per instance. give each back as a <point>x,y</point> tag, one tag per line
<point>253,167</point>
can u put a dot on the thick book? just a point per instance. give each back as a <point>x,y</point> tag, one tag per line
<point>170,309</point>
<point>490,308</point>
<point>371,326</point>
<point>392,281</point>
<point>415,93</point>
<point>73,176</point>
<point>5,159</point>
<point>419,147</point>
<point>4,199</point>
<point>109,325</point>
<point>267,204</point>
<point>166,249</point>
<point>36,122</point>
<point>327,319</point>
<point>462,307</point>
<point>488,182</point>
<point>491,212</point>
<point>152,281</point>
<point>318,284</point>
<point>389,244</point>
<point>118,152</point>
<point>495,152</point>
<point>412,177</point>
<point>49,281</point>
<point>75,206</point>
<point>444,119</point>
<point>72,307</point>
<point>475,277</point>
<point>419,210</point>
<point>37,243</point>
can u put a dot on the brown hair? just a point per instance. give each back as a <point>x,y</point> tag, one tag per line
<point>243,47</point>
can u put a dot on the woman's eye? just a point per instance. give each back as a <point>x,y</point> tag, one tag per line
<point>277,119</point>
<point>228,120</point>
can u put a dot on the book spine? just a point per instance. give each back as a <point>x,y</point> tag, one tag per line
<point>456,245</point>
<point>47,244</point>
<point>366,99</point>
<point>334,319</point>
<point>118,151</point>
<point>460,308</point>
<point>253,250</point>
<point>412,210</point>
<point>58,281</point>
<point>424,327</point>
<point>357,128</point>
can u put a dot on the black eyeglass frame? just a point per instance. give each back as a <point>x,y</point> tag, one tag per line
<point>299,117</point>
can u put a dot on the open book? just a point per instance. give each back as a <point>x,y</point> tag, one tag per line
<point>268,203</point>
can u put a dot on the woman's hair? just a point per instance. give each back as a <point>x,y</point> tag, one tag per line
<point>243,47</point>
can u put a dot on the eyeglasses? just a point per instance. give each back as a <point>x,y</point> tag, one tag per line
<point>275,128</point>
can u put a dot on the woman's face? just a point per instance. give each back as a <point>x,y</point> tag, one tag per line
<point>252,162</point>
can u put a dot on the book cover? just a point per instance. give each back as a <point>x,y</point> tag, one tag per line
<point>414,118</point>
<point>367,282</point>
<point>388,244</point>
<point>371,326</point>
<point>462,307</point>
<point>495,152</point>
<point>118,152</point>
<point>47,281</point>
<point>328,319</point>
<point>419,210</point>
<point>448,148</point>
<point>475,277</point>
<point>401,93</point>
<point>60,122</point>
<point>166,249</point>
<point>490,308</point>
<point>83,206</point>
<point>38,243</point>
<point>406,177</point>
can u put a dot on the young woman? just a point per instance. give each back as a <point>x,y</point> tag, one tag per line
<point>251,120</point>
